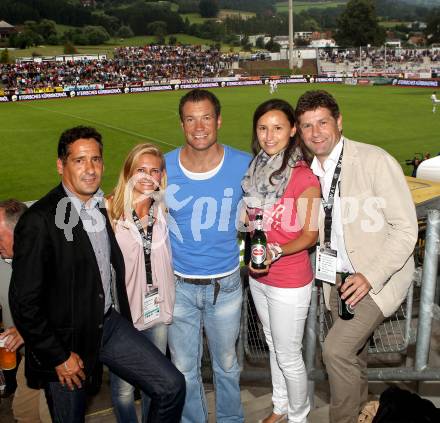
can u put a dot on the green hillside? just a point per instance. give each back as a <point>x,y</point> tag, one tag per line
<point>299,6</point>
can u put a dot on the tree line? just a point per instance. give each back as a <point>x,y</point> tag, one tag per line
<point>135,14</point>
<point>353,24</point>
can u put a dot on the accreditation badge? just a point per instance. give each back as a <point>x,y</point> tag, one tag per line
<point>151,306</point>
<point>326,264</point>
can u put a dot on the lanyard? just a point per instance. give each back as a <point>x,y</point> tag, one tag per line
<point>146,240</point>
<point>328,205</point>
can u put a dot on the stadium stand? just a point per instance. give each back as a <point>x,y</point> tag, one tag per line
<point>373,60</point>
<point>129,65</point>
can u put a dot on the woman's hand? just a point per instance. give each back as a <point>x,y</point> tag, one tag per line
<point>267,264</point>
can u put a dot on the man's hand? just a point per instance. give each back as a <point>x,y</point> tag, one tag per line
<point>71,371</point>
<point>14,339</point>
<point>355,288</point>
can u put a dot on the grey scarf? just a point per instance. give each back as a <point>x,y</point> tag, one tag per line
<point>259,192</point>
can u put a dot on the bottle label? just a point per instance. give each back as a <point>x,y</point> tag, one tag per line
<point>258,253</point>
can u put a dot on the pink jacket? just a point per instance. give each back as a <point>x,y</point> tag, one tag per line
<point>130,242</point>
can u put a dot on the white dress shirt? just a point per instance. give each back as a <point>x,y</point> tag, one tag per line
<point>325,174</point>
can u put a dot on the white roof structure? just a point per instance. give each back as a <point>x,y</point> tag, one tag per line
<point>5,25</point>
<point>322,43</point>
<point>429,169</point>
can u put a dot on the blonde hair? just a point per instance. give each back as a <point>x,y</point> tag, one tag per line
<point>121,201</point>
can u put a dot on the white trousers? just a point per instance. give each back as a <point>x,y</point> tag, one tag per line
<point>283,313</point>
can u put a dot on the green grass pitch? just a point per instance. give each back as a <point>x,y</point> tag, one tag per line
<point>398,119</point>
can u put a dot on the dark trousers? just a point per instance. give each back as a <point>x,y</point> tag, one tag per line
<point>132,357</point>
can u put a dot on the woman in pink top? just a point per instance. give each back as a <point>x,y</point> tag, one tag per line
<point>280,184</point>
<point>137,213</point>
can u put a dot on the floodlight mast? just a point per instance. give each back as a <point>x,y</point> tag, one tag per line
<point>290,34</point>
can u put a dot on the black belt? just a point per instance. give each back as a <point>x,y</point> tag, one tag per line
<point>196,281</point>
<point>205,282</point>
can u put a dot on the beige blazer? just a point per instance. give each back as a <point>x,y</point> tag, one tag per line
<point>379,223</point>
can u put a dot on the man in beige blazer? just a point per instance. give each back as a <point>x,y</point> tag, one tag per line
<point>373,229</point>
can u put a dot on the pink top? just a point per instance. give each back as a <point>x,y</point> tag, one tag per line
<point>130,242</point>
<point>281,226</point>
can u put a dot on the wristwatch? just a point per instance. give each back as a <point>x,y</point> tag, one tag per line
<point>275,251</point>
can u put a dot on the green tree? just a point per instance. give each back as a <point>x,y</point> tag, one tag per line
<point>77,37</point>
<point>246,45</point>
<point>311,25</point>
<point>27,38</point>
<point>186,24</point>
<point>34,33</point>
<point>53,40</point>
<point>358,25</point>
<point>432,30</point>
<point>259,6</point>
<point>208,8</point>
<point>96,34</point>
<point>139,14</point>
<point>158,28</point>
<point>125,32</point>
<point>172,40</point>
<point>4,56</point>
<point>110,23</point>
<point>188,6</point>
<point>46,28</point>
<point>259,42</point>
<point>273,46</point>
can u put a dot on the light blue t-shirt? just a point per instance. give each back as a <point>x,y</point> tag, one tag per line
<point>203,216</point>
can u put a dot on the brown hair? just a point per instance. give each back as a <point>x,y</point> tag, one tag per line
<point>13,210</point>
<point>196,95</point>
<point>312,100</point>
<point>287,109</point>
<point>69,136</point>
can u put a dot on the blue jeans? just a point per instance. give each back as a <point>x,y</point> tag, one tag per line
<point>123,392</point>
<point>194,309</point>
<point>65,406</point>
<point>128,354</point>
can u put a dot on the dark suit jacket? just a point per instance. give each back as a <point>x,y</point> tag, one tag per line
<point>56,294</point>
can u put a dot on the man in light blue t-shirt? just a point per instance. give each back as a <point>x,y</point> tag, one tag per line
<point>203,196</point>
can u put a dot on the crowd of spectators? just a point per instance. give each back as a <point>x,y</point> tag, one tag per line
<point>398,55</point>
<point>379,59</point>
<point>130,65</point>
<point>137,65</point>
<point>175,61</point>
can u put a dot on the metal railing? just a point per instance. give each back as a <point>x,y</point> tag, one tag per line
<point>400,332</point>
<point>394,335</point>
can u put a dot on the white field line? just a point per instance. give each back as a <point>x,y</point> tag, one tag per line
<point>106,125</point>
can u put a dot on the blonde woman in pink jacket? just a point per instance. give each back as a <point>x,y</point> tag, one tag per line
<point>137,213</point>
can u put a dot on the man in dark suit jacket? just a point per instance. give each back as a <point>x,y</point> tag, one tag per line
<point>68,296</point>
